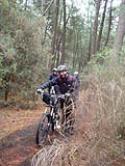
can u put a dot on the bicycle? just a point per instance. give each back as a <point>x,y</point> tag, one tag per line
<point>61,110</point>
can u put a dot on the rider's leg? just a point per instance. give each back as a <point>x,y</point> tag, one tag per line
<point>46,98</point>
<point>57,89</point>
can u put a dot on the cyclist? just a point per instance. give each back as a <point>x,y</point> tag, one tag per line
<point>63,83</point>
<point>54,74</point>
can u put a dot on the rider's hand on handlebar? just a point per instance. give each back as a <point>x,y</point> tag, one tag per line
<point>67,94</point>
<point>40,91</point>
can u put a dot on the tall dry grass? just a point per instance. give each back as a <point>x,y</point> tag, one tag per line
<point>109,119</point>
<point>100,136</point>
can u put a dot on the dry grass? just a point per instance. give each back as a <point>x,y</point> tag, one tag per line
<point>100,126</point>
<point>109,125</point>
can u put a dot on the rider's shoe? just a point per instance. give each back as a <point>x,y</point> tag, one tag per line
<point>57,125</point>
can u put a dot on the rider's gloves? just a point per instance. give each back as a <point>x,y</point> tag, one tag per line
<point>39,91</point>
<point>67,94</point>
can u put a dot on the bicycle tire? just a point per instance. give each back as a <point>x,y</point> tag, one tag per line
<point>42,131</point>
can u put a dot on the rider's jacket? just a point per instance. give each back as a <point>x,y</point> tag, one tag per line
<point>65,84</point>
<point>52,76</point>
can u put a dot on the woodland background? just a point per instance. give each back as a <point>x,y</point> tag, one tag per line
<point>87,35</point>
<point>37,35</point>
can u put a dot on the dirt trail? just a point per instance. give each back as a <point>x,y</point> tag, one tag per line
<point>18,127</point>
<point>71,150</point>
<point>17,136</point>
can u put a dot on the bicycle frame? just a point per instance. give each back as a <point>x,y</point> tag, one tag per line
<point>54,113</point>
<point>52,108</point>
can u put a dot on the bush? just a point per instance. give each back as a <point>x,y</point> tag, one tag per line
<point>21,53</point>
<point>109,123</point>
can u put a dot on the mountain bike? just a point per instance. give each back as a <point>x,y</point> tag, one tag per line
<point>59,112</point>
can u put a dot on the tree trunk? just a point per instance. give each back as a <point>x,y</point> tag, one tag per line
<point>6,79</point>
<point>55,32</point>
<point>26,4</point>
<point>95,27</point>
<point>101,26</point>
<point>120,31</point>
<point>80,55</point>
<point>90,44</point>
<point>64,33</point>
<point>6,94</point>
<point>75,47</point>
<point>109,24</point>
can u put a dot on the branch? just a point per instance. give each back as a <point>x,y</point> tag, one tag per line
<point>50,4</point>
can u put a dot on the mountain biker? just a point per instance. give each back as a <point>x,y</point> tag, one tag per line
<point>54,74</point>
<point>63,83</point>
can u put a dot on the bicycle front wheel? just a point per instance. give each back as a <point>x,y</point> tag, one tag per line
<point>42,131</point>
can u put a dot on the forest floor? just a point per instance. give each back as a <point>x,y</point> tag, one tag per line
<point>18,129</point>
<point>17,136</point>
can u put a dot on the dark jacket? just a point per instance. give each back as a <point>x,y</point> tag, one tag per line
<point>52,76</point>
<point>65,85</point>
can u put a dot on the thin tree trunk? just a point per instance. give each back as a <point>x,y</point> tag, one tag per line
<point>47,27</point>
<point>75,48</point>
<point>74,44</point>
<point>26,4</point>
<point>95,27</point>
<point>64,33</point>
<point>109,24</point>
<point>6,79</point>
<point>55,26</point>
<point>90,45</point>
<point>48,7</point>
<point>45,33</point>
<point>55,32</point>
<point>60,39</point>
<point>120,31</point>
<point>80,55</point>
<point>6,94</point>
<point>101,26</point>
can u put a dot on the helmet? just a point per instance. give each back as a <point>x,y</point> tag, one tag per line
<point>76,73</point>
<point>62,68</point>
<point>54,69</point>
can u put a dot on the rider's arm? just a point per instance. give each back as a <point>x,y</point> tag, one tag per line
<point>48,84</point>
<point>72,84</point>
<point>50,77</point>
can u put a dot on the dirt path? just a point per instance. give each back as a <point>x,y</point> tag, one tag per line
<point>17,133</point>
<point>17,136</point>
<point>71,150</point>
